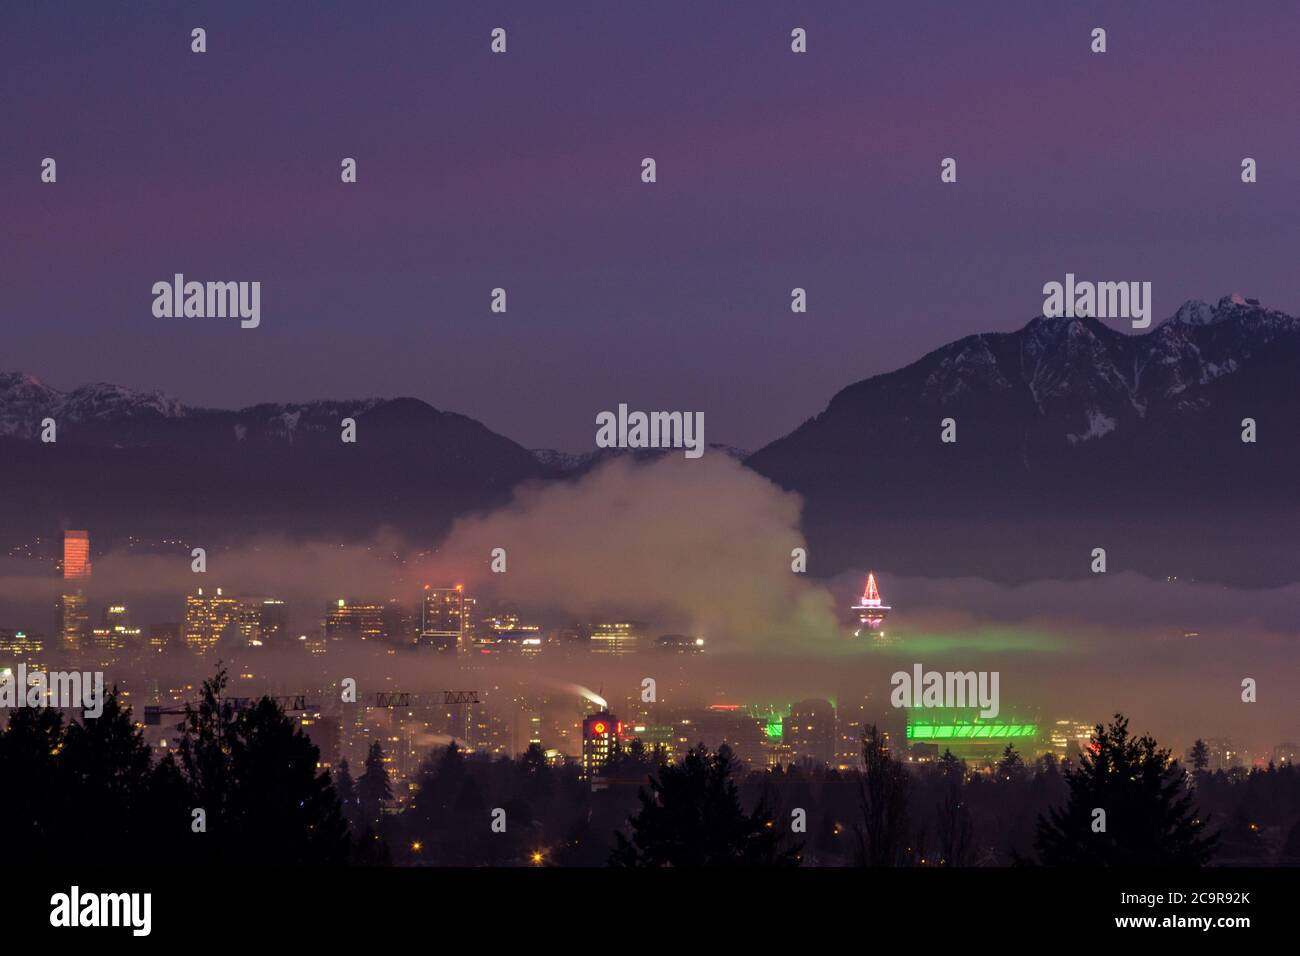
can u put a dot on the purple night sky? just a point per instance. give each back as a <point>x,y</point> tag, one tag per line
<point>775,170</point>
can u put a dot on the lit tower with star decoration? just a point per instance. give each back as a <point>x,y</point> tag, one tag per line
<point>871,610</point>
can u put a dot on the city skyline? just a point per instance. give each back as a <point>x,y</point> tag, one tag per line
<point>733,440</point>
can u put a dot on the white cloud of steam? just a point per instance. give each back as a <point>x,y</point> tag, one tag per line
<point>702,547</point>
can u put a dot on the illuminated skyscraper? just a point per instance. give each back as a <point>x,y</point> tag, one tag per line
<point>114,634</point>
<point>851,718</point>
<point>263,622</point>
<point>73,621</point>
<point>600,734</point>
<point>16,647</point>
<point>1069,738</point>
<point>720,724</point>
<point>76,554</point>
<point>207,617</point>
<point>809,732</point>
<point>355,621</point>
<point>679,644</point>
<point>616,637</point>
<point>442,618</point>
<point>871,610</point>
<point>399,623</point>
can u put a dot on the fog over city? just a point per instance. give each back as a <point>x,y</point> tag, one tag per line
<point>720,570</point>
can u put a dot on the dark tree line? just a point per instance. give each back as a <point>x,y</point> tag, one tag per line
<point>91,788</point>
<point>240,787</point>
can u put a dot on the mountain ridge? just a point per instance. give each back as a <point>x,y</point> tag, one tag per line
<point>1070,433</point>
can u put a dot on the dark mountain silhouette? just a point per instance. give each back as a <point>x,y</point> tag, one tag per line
<point>144,464</point>
<point>1070,436</point>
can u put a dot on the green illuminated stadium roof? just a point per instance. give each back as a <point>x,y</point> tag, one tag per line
<point>917,731</point>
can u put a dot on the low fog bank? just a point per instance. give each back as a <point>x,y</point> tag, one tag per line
<point>704,548</point>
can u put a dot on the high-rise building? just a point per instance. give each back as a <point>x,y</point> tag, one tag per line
<point>264,622</point>
<point>442,618</point>
<point>18,647</point>
<point>1224,754</point>
<point>399,623</point>
<point>74,621</point>
<point>600,735</point>
<point>852,716</point>
<point>114,634</point>
<point>76,555</point>
<point>164,636</point>
<point>354,621</point>
<point>809,732</point>
<point>207,618</point>
<point>1068,738</point>
<point>616,637</point>
<point>679,644</point>
<point>721,724</point>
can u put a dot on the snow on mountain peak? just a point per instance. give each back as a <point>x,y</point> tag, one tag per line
<point>1194,312</point>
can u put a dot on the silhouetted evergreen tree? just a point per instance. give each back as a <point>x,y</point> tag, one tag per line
<point>109,770</point>
<point>883,797</point>
<point>347,792</point>
<point>692,817</point>
<point>34,788</point>
<point>256,777</point>
<point>1010,768</point>
<point>1200,755</point>
<point>373,787</point>
<point>954,826</point>
<point>1150,819</point>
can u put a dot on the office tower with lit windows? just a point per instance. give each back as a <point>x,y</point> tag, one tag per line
<point>1068,738</point>
<point>1224,754</point>
<point>354,621</point>
<point>264,622</point>
<point>399,623</point>
<point>114,635</point>
<point>18,647</point>
<point>76,555</point>
<point>73,620</point>
<point>720,724</point>
<point>616,637</point>
<point>1285,754</point>
<point>600,736</point>
<point>442,618</point>
<point>163,636</point>
<point>852,715</point>
<point>73,623</point>
<point>809,733</point>
<point>207,616</point>
<point>679,644</point>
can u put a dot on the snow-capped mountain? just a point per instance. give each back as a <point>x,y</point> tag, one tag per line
<point>1063,426</point>
<point>129,462</point>
<point>1071,436</point>
<point>25,402</point>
